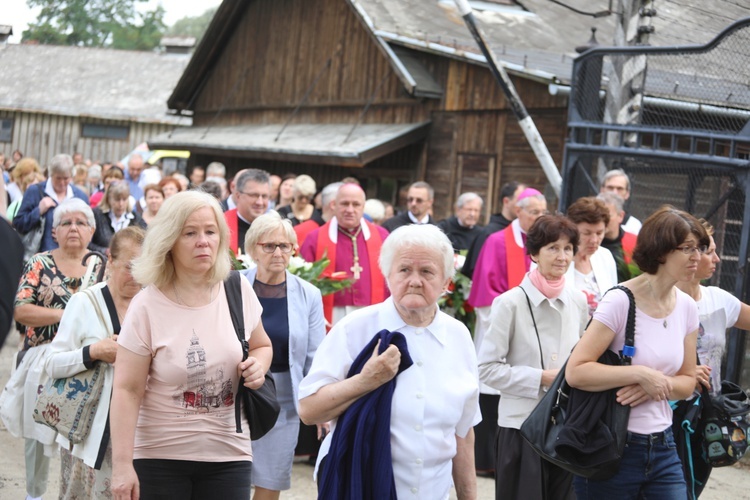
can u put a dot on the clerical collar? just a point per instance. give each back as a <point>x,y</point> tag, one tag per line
<point>461,224</point>
<point>424,219</point>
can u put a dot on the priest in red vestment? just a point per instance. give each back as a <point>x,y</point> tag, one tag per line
<point>353,245</point>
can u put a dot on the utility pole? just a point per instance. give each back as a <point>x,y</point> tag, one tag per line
<point>627,75</point>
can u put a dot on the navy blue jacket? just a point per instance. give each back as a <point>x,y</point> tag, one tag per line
<point>359,464</point>
<point>28,215</point>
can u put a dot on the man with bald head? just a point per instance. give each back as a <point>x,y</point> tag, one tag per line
<point>133,175</point>
<point>353,246</point>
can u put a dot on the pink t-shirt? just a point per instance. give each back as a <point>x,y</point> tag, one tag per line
<point>656,346</point>
<point>187,412</point>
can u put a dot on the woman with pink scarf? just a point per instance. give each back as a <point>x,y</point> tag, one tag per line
<point>533,328</point>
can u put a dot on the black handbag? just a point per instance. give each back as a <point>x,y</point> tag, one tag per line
<point>595,451</point>
<point>260,405</point>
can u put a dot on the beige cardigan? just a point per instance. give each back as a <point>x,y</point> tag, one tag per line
<point>509,358</point>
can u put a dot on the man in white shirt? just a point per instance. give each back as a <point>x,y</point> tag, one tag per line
<point>419,201</point>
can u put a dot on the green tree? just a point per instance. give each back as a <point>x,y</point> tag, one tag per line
<point>96,23</point>
<point>193,26</point>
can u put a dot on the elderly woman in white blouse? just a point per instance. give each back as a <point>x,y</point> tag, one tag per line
<point>433,408</point>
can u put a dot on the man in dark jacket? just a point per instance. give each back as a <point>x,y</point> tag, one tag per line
<point>499,221</point>
<point>462,228</point>
<point>419,202</point>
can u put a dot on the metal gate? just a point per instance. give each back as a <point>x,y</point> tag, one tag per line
<point>683,139</point>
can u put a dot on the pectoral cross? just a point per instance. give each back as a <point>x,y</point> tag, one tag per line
<point>356,269</point>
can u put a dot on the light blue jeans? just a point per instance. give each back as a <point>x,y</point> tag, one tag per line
<point>649,469</point>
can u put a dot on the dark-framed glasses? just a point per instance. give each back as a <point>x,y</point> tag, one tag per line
<point>271,247</point>
<point>689,249</point>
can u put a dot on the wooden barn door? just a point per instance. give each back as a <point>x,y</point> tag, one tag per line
<point>477,173</point>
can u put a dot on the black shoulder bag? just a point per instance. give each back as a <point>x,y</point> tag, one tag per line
<point>260,405</point>
<point>579,431</point>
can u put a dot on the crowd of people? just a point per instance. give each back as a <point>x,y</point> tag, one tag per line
<point>121,263</point>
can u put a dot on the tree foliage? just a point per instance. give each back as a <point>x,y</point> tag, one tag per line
<point>96,23</point>
<point>193,26</point>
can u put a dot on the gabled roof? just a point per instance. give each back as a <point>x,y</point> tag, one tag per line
<point>535,38</point>
<point>93,82</point>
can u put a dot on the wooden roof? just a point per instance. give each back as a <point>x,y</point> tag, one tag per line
<point>93,82</point>
<point>331,144</point>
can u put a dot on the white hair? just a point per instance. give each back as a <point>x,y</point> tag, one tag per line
<point>73,205</point>
<point>423,236</point>
<point>375,209</point>
<point>466,198</point>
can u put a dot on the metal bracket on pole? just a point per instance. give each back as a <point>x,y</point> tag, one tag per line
<point>519,110</point>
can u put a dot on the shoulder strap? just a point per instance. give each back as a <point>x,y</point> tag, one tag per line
<point>92,298</point>
<point>233,290</point>
<point>533,319</point>
<point>628,350</point>
<point>107,294</point>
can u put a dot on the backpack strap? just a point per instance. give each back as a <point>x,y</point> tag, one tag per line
<point>233,289</point>
<point>110,301</point>
<point>628,349</point>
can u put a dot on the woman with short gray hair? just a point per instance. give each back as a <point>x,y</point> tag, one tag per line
<point>40,200</point>
<point>428,413</point>
<point>293,317</point>
<point>49,280</point>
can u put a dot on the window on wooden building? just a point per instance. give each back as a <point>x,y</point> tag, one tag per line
<point>100,131</point>
<point>6,129</point>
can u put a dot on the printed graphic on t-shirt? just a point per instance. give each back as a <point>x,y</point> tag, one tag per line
<point>203,393</point>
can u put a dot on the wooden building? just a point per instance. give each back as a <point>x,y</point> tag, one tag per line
<point>389,91</point>
<point>99,102</point>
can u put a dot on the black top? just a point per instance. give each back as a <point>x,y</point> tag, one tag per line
<point>401,219</point>
<point>275,319</point>
<point>461,236</point>
<point>615,246</point>
<point>104,230</point>
<point>497,223</point>
<point>11,267</point>
<point>286,212</point>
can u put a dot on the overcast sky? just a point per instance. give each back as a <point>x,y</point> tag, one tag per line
<point>17,13</point>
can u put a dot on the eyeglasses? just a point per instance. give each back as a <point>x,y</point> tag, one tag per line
<point>688,250</point>
<point>271,247</point>
<point>67,223</point>
<point>255,196</point>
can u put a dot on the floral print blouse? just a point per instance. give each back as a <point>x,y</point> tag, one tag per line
<point>42,284</point>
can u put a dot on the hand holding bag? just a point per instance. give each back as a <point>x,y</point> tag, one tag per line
<point>68,405</point>
<point>579,431</point>
<point>260,405</point>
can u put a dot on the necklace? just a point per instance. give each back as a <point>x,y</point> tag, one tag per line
<point>181,302</point>
<point>356,269</point>
<point>653,295</point>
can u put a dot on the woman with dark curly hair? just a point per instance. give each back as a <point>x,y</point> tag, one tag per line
<point>669,249</point>
<point>521,361</point>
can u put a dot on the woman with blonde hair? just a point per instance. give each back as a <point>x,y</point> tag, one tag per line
<point>113,214</point>
<point>26,173</point>
<point>176,436</point>
<point>302,208</point>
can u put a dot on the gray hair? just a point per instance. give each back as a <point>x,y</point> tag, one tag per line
<point>221,181</point>
<point>265,224</point>
<point>466,198</point>
<point>424,185</point>
<point>61,164</point>
<point>95,172</point>
<point>525,202</point>
<point>155,265</point>
<point>216,168</point>
<point>329,193</point>
<point>613,199</point>
<point>615,172</point>
<point>117,188</point>
<point>252,175</point>
<point>304,185</point>
<point>70,206</point>
<point>423,236</point>
<point>375,209</point>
